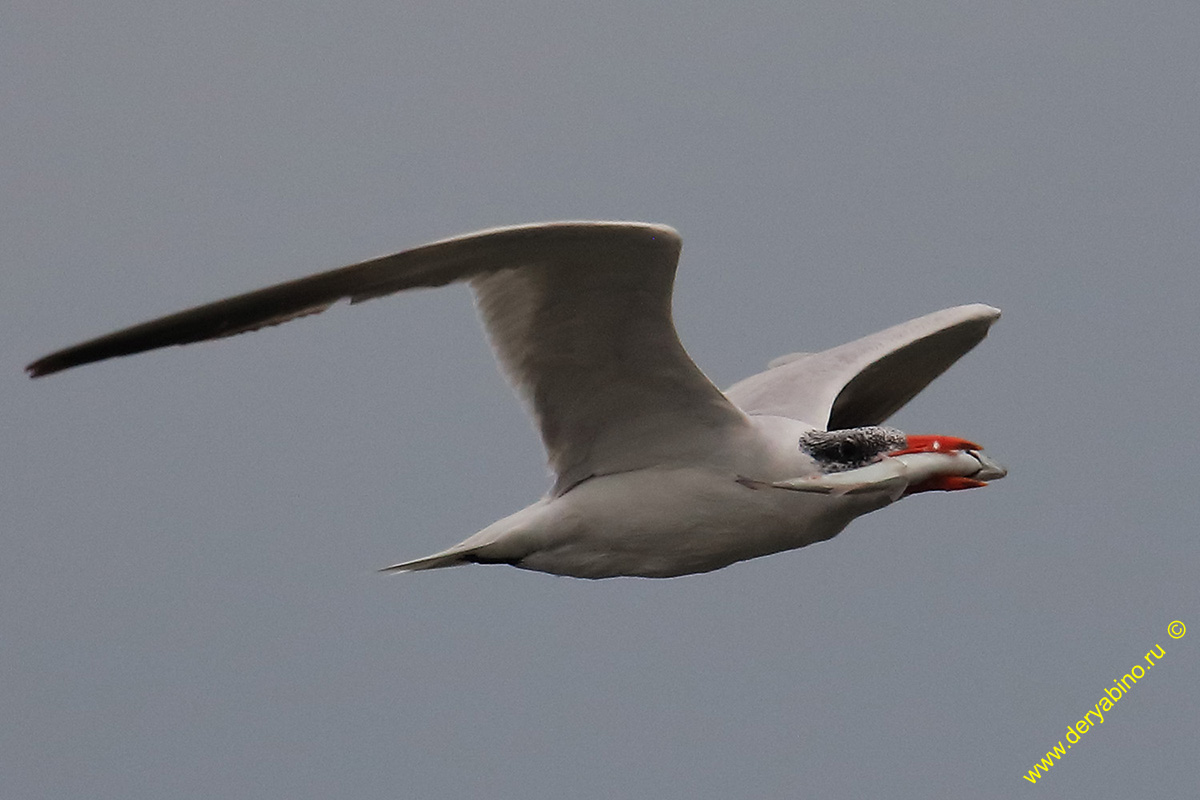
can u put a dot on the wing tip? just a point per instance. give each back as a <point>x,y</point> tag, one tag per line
<point>650,230</point>
<point>45,366</point>
<point>981,311</point>
<point>975,316</point>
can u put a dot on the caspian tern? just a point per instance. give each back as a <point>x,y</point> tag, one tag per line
<point>657,472</point>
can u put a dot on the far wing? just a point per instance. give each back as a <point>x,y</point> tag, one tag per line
<point>865,381</point>
<point>579,315</point>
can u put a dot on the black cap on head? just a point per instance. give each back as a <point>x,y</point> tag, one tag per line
<point>850,448</point>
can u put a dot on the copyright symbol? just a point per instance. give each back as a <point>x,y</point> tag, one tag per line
<point>1176,630</point>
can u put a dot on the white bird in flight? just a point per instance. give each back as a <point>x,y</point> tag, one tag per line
<point>657,472</point>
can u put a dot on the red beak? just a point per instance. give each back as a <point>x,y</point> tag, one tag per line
<point>935,444</point>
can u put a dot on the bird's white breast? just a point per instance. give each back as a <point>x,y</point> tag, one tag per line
<point>674,520</point>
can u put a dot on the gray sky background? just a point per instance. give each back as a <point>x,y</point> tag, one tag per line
<point>187,598</point>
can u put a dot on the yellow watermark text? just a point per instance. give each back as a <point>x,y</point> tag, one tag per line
<point>1094,716</point>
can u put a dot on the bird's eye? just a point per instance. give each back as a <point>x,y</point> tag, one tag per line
<point>849,450</point>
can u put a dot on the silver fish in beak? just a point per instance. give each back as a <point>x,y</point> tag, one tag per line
<point>924,464</point>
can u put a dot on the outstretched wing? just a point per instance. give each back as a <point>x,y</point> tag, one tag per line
<point>865,381</point>
<point>579,315</point>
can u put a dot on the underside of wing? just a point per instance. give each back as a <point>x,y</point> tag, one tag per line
<point>434,264</point>
<point>865,381</point>
<point>579,314</point>
<point>586,337</point>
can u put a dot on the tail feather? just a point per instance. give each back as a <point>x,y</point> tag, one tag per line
<point>495,544</point>
<point>447,558</point>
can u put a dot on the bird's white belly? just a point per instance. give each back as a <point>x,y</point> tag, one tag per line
<point>666,522</point>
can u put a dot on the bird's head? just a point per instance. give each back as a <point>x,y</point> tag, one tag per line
<point>879,459</point>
